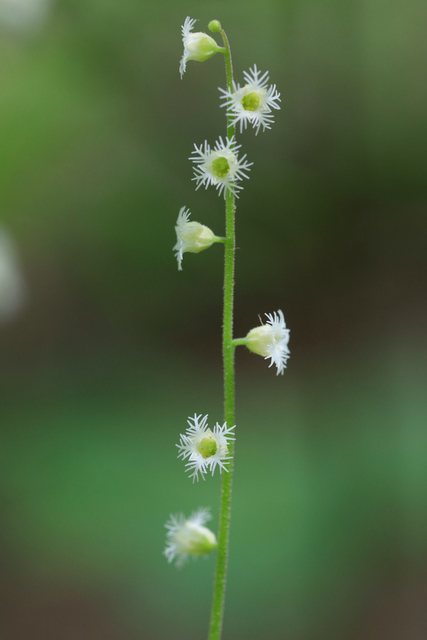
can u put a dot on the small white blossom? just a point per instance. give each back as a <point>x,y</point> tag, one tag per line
<point>197,46</point>
<point>186,538</point>
<point>271,340</point>
<point>192,237</point>
<point>253,102</point>
<point>205,449</point>
<point>220,166</point>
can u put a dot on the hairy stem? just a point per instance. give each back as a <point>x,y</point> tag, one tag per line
<point>228,359</point>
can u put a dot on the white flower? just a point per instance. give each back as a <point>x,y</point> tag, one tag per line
<point>253,102</point>
<point>186,538</point>
<point>219,166</point>
<point>192,237</point>
<point>271,340</point>
<point>205,449</point>
<point>197,46</point>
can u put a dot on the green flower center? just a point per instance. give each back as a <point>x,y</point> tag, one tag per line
<point>220,167</point>
<point>251,101</point>
<point>208,447</point>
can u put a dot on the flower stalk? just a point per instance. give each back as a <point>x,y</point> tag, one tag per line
<point>201,448</point>
<point>217,611</point>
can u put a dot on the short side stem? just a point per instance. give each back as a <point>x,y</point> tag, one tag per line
<point>228,359</point>
<point>237,342</point>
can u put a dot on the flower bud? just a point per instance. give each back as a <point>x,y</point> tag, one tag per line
<point>214,26</point>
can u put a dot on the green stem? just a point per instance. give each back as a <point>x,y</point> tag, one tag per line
<point>237,342</point>
<point>228,359</point>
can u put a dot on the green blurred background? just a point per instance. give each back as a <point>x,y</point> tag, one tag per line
<point>107,348</point>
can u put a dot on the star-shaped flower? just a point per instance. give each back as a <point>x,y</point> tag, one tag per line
<point>205,449</point>
<point>253,102</point>
<point>220,166</point>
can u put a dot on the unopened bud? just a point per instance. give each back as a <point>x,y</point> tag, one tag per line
<point>214,26</point>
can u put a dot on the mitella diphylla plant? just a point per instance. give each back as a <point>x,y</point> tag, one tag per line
<point>223,166</point>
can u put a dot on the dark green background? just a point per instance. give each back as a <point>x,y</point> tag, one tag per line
<point>115,348</point>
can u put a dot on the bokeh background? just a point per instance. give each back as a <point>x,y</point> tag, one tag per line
<point>105,348</point>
